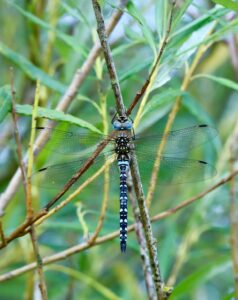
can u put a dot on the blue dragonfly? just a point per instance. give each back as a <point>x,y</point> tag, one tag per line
<point>123,143</point>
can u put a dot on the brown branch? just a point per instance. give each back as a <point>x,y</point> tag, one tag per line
<point>143,250</point>
<point>3,239</point>
<point>63,105</point>
<point>233,210</point>
<point>186,81</point>
<point>39,263</point>
<point>108,58</point>
<point>29,204</point>
<point>161,51</point>
<point>145,220</point>
<point>83,246</point>
<point>81,171</point>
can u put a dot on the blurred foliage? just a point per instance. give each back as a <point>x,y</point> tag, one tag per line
<point>49,41</point>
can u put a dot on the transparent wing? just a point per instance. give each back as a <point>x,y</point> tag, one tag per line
<point>177,141</point>
<point>71,142</point>
<point>174,170</point>
<point>57,175</point>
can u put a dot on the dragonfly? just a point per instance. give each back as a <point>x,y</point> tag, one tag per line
<point>123,144</point>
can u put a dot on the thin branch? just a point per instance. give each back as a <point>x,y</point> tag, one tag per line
<point>70,197</point>
<point>143,250</point>
<point>63,105</point>
<point>145,220</point>
<point>186,81</point>
<point>39,264</point>
<point>3,239</point>
<point>81,171</point>
<point>154,68</point>
<point>30,212</point>
<point>83,246</point>
<point>108,58</point>
<point>43,214</point>
<point>106,175</point>
<point>233,210</point>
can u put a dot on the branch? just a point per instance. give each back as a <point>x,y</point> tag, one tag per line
<point>143,250</point>
<point>233,210</point>
<point>154,68</point>
<point>29,206</point>
<point>108,58</point>
<point>145,220</point>
<point>186,81</point>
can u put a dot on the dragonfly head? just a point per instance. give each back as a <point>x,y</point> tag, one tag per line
<point>122,123</point>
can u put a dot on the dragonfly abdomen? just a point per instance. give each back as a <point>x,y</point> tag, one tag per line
<point>123,164</point>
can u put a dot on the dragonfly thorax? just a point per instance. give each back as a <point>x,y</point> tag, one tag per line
<point>122,144</point>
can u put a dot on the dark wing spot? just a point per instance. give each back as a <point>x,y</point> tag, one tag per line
<point>43,169</point>
<point>203,125</point>
<point>203,162</point>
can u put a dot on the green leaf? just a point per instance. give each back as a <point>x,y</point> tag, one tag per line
<point>210,269</point>
<point>5,101</point>
<point>221,80</point>
<point>157,108</point>
<point>195,109</point>
<point>183,53</point>
<point>158,100</point>
<point>228,4</point>
<point>181,35</point>
<point>161,17</point>
<point>56,116</point>
<point>179,14</point>
<point>134,70</point>
<point>135,13</point>
<point>67,39</point>
<point>32,71</point>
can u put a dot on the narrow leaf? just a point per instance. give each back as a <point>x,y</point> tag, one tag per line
<point>134,12</point>
<point>56,116</point>
<point>221,80</point>
<point>31,70</point>
<point>228,4</point>
<point>202,274</point>
<point>5,101</point>
<point>69,40</point>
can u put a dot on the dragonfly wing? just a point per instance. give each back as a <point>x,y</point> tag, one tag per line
<point>71,142</point>
<point>177,141</point>
<point>176,170</point>
<point>57,175</point>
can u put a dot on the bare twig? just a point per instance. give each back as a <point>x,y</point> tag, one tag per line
<point>233,210</point>
<point>143,250</point>
<point>81,171</point>
<point>63,105</point>
<point>39,263</point>
<point>2,233</point>
<point>186,81</point>
<point>154,68</point>
<point>108,57</point>
<point>43,214</point>
<point>30,212</point>
<point>145,220</point>
<point>83,246</point>
<point>106,176</point>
